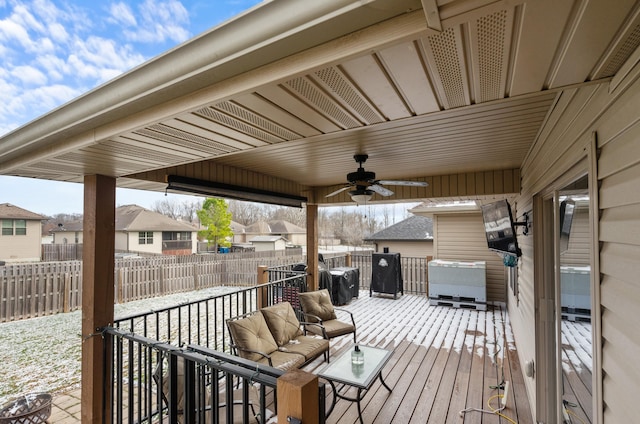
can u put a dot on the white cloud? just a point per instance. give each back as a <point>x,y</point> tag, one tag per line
<point>102,58</point>
<point>22,16</point>
<point>29,75</point>
<point>123,14</point>
<point>58,33</point>
<point>161,21</point>
<point>56,67</point>
<point>12,31</point>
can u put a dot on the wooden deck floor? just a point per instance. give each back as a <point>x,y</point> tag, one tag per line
<point>445,360</point>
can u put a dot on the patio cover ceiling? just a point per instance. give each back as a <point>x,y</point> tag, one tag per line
<point>281,97</point>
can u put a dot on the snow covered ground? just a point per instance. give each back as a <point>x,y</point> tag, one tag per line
<point>43,354</point>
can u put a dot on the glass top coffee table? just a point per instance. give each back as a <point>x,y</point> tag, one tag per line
<point>341,371</point>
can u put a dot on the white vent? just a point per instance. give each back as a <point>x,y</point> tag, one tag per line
<point>345,90</point>
<point>622,53</point>
<point>445,54</point>
<point>238,125</point>
<point>491,39</point>
<point>322,102</point>
<point>150,155</point>
<point>257,120</point>
<point>180,137</point>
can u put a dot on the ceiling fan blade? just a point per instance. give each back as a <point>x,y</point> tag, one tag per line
<point>340,190</point>
<point>404,183</point>
<point>380,190</point>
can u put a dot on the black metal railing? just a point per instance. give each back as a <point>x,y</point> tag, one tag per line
<point>162,383</point>
<point>150,349</point>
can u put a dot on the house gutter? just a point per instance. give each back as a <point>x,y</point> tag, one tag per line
<point>270,31</point>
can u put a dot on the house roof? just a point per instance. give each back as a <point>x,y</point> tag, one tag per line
<point>266,239</point>
<point>414,228</point>
<point>281,97</point>
<point>259,227</point>
<point>236,227</point>
<point>285,227</point>
<point>136,218</point>
<point>9,211</point>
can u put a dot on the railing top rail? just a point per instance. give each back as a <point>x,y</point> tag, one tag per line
<point>222,362</point>
<point>297,274</point>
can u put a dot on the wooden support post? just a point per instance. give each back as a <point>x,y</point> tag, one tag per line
<point>97,295</point>
<point>312,247</point>
<point>298,397</point>
<point>263,278</point>
<point>347,260</point>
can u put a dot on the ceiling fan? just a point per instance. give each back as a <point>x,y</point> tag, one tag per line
<point>363,183</point>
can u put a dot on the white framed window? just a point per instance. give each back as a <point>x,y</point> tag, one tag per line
<point>14,227</point>
<point>145,237</point>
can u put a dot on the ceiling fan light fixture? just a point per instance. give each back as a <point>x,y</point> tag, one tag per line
<point>360,195</point>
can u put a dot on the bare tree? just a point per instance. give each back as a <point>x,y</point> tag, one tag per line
<point>246,213</point>
<point>178,210</point>
<point>297,216</point>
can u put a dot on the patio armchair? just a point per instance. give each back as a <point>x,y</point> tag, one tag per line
<point>318,309</point>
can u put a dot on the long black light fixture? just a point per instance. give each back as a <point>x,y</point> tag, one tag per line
<point>211,188</point>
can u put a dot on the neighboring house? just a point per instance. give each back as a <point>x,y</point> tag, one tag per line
<point>412,237</point>
<point>268,243</point>
<point>294,234</point>
<point>238,232</point>
<point>260,228</point>
<point>68,233</point>
<point>21,234</point>
<point>140,230</point>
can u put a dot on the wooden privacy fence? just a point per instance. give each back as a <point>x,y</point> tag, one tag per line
<point>45,288</point>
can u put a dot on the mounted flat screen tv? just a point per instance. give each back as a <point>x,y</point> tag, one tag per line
<point>567,209</point>
<point>499,228</point>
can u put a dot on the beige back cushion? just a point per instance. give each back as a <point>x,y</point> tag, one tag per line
<point>252,333</point>
<point>282,322</point>
<point>318,303</point>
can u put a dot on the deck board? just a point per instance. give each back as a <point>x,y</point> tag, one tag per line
<point>445,360</point>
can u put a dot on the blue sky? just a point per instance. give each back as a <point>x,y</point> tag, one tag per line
<point>53,51</point>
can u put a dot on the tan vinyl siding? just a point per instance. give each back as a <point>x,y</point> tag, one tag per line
<point>16,248</point>
<point>619,176</point>
<point>563,142</point>
<point>409,249</point>
<point>461,237</point>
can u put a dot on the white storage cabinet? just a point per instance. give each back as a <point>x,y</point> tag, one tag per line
<point>458,283</point>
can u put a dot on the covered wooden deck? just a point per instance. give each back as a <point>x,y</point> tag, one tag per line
<point>445,360</point>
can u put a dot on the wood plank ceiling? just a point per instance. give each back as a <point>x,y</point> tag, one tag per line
<point>464,93</point>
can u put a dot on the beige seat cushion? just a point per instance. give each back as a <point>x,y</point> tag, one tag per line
<point>334,328</point>
<point>285,360</point>
<point>252,333</point>
<point>309,347</point>
<point>282,321</point>
<point>317,303</point>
